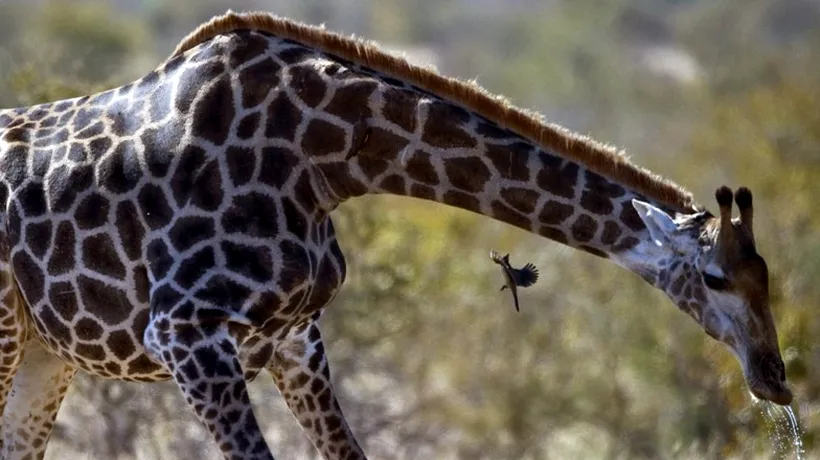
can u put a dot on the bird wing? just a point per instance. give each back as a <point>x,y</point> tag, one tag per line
<point>526,276</point>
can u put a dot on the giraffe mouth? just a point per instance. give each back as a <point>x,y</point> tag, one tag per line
<point>767,380</point>
<point>778,394</point>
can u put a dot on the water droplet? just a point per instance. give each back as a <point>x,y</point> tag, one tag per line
<point>784,432</point>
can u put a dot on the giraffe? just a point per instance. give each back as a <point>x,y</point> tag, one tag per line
<point>179,227</point>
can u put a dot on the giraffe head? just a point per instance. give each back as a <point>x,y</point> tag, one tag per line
<point>710,268</point>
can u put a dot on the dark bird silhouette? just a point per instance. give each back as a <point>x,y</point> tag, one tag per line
<point>513,277</point>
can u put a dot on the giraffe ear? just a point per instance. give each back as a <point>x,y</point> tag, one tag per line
<point>660,225</point>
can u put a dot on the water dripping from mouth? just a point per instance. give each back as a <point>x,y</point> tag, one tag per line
<point>784,431</point>
<point>797,435</point>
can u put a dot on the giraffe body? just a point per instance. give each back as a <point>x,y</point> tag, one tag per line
<point>178,227</point>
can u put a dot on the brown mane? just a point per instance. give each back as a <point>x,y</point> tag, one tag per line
<point>600,158</point>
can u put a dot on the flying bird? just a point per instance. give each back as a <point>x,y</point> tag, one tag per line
<point>513,277</point>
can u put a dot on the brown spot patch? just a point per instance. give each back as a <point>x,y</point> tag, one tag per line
<point>611,232</point>
<point>120,171</point>
<point>99,255</point>
<point>351,101</point>
<point>257,81</point>
<point>62,254</point>
<point>442,128</point>
<point>88,329</point>
<point>32,199</point>
<point>295,265</point>
<point>629,216</point>
<point>307,84</point>
<point>294,219</point>
<point>277,166</point>
<point>628,242</point>
<point>323,138</point>
<point>554,213</point>
<point>584,228</point>
<point>597,184</point>
<point>247,46</point>
<point>400,108</point>
<point>422,191</point>
<point>462,200</point>
<point>248,126</point>
<point>53,326</point>
<point>254,262</point>
<point>344,185</point>
<point>557,179</point>
<point>372,166</point>
<point>142,365</point>
<point>29,276</point>
<point>295,54</point>
<point>38,238</point>
<point>467,173</point>
<point>383,144</point>
<point>92,212</point>
<point>241,164</point>
<point>420,168</point>
<point>596,203</point>
<point>283,118</point>
<point>129,229</point>
<point>195,267</point>
<point>16,135</point>
<point>191,82</point>
<point>154,206</point>
<point>677,285</point>
<point>121,344</point>
<point>253,214</point>
<point>509,215</point>
<point>190,230</point>
<point>393,183</point>
<point>522,199</point>
<point>511,161</point>
<point>65,183</point>
<point>90,351</point>
<point>214,113</point>
<point>105,302</point>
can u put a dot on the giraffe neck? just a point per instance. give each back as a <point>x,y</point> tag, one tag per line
<point>414,144</point>
<point>365,132</point>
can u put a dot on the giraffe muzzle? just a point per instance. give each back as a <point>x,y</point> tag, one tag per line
<point>768,380</point>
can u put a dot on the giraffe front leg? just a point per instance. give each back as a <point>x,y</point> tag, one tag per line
<point>202,356</point>
<point>38,389</point>
<point>301,372</point>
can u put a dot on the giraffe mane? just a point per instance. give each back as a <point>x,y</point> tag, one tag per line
<point>601,158</point>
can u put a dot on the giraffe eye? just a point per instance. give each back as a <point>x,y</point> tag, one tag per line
<point>715,283</point>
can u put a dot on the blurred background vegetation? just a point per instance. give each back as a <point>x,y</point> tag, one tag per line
<point>431,361</point>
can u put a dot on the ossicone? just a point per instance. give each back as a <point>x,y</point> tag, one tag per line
<point>739,232</point>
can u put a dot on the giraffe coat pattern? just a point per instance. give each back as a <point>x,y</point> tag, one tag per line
<point>178,227</point>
